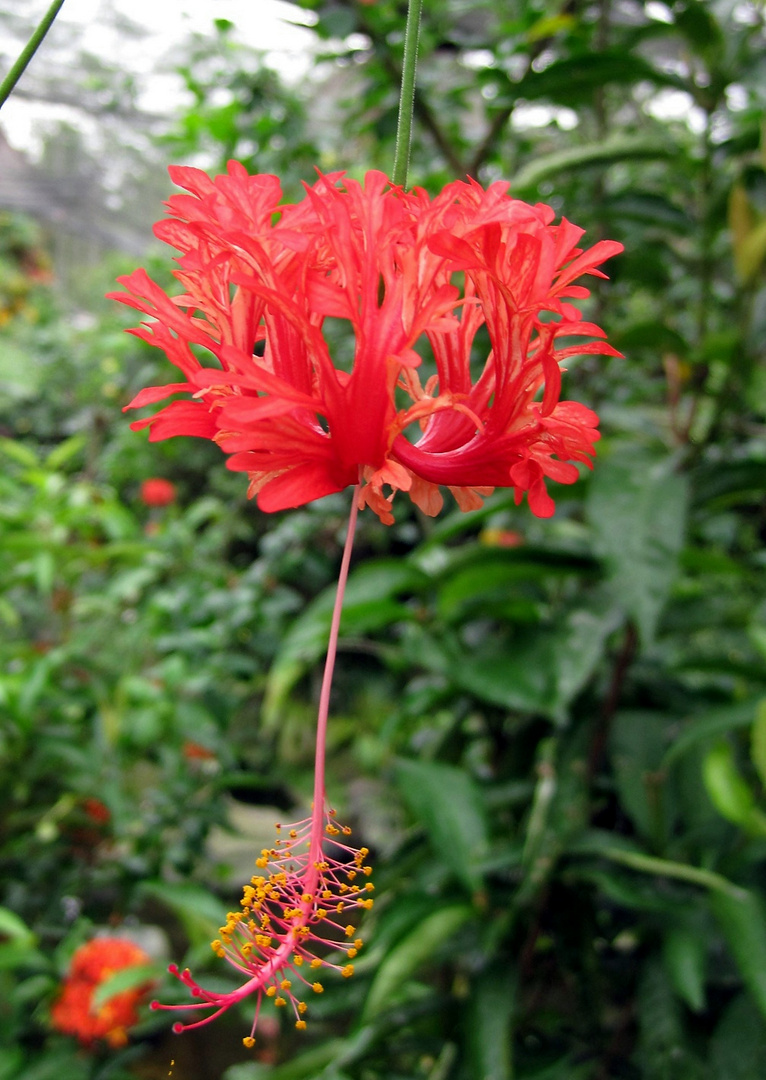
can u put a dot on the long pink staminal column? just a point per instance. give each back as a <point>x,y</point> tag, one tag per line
<point>298,902</point>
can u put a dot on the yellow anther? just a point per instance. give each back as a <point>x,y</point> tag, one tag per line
<point>349,931</point>
<point>247,948</point>
<point>301,1025</point>
<point>317,988</point>
<point>293,834</point>
<point>285,984</point>
<point>346,830</point>
<point>327,895</point>
<point>262,862</point>
<point>297,959</point>
<point>351,953</point>
<point>321,913</point>
<point>249,1042</point>
<point>339,907</point>
<point>366,903</point>
<point>280,1001</point>
<point>315,963</point>
<point>215,945</point>
<point>263,941</point>
<point>364,852</point>
<point>351,874</point>
<point>331,830</point>
<point>366,870</point>
<point>347,971</point>
<point>358,943</point>
<point>332,813</point>
<point>302,1007</point>
<point>271,991</point>
<point>307,898</point>
<point>369,887</point>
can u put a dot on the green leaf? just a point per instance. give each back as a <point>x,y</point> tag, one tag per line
<point>65,1065</point>
<point>637,508</point>
<point>11,926</point>
<point>20,374</point>
<point>65,451</point>
<point>727,789</point>
<point>663,1052</point>
<point>11,1062</point>
<point>368,605</point>
<point>490,1035</point>
<point>544,670</point>
<point>738,1045</point>
<point>613,149</point>
<point>637,746</point>
<point>411,953</point>
<point>576,77</point>
<point>128,978</point>
<point>758,741</point>
<point>200,912</point>
<point>742,919</point>
<point>650,335</point>
<point>713,722</point>
<point>19,452</point>
<point>684,953</point>
<point>448,803</point>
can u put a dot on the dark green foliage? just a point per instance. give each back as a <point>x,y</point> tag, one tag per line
<point>552,735</point>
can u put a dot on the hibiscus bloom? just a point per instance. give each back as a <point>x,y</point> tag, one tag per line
<point>457,307</point>
<point>74,1013</point>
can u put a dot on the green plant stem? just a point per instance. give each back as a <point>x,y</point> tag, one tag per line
<point>648,864</point>
<point>407,93</point>
<point>29,51</point>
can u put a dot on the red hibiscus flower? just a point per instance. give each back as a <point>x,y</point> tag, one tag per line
<point>157,492</point>
<point>73,1013</point>
<point>461,315</point>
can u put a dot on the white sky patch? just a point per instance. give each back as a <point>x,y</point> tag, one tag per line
<point>528,117</point>
<point>476,59</point>
<point>658,11</point>
<point>736,97</point>
<point>671,104</point>
<point>277,28</point>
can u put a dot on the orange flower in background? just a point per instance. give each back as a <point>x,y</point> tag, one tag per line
<point>74,1013</point>
<point>457,307</point>
<point>158,492</point>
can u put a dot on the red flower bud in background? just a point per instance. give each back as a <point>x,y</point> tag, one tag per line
<point>74,1012</point>
<point>157,492</point>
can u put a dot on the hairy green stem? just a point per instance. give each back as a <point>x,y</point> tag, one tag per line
<point>407,93</point>
<point>29,51</point>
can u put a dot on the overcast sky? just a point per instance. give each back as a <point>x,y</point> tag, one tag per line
<point>271,25</point>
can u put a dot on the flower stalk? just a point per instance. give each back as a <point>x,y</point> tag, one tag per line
<point>29,50</point>
<point>407,93</point>
<point>302,894</point>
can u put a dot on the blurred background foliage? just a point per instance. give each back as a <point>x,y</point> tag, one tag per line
<point>551,734</point>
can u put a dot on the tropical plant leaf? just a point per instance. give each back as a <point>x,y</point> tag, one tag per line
<point>637,507</point>
<point>448,803</point>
